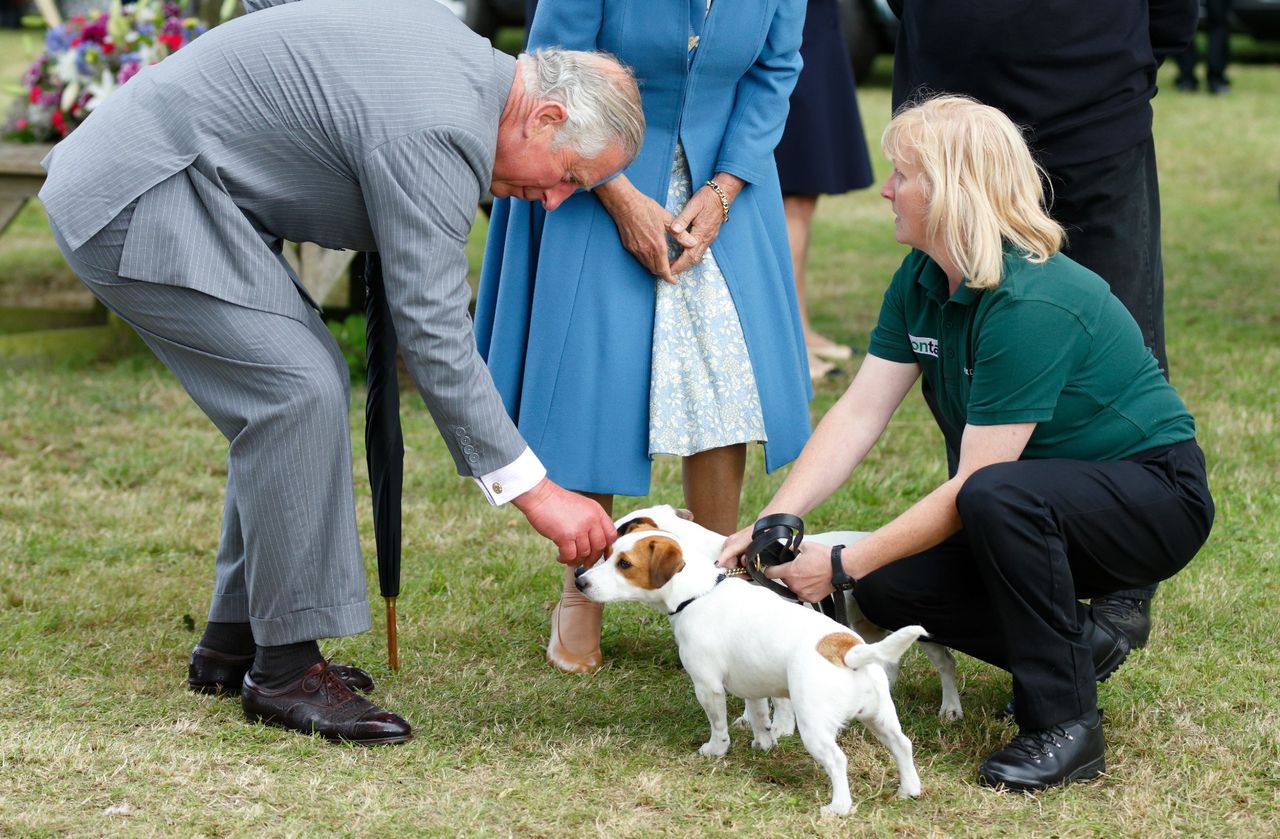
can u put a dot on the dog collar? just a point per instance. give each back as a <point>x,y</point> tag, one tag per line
<point>720,579</point>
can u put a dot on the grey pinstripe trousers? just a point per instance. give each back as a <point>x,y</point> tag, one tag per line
<point>277,387</point>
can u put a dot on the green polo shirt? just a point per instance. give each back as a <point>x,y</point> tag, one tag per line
<point>1050,345</point>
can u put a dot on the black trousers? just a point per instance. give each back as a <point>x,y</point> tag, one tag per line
<point>1110,209</point>
<point>1038,535</point>
<point>1217,47</point>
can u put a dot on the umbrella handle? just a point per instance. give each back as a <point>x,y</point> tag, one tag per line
<point>393,644</point>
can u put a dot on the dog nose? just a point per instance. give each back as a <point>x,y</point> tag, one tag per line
<point>580,570</point>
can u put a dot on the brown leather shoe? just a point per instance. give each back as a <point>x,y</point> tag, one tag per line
<point>220,674</point>
<point>321,703</point>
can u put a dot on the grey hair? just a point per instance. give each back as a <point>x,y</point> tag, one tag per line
<point>599,93</point>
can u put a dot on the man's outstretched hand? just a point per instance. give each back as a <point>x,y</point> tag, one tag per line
<point>579,526</point>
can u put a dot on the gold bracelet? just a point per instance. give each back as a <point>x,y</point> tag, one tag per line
<point>724,200</point>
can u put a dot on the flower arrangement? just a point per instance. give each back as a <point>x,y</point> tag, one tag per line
<point>88,57</point>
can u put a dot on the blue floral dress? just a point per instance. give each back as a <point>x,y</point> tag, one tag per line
<point>702,394</point>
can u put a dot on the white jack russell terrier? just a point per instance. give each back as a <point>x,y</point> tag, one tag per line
<point>737,637</point>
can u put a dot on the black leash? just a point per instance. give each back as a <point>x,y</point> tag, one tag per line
<point>775,540</point>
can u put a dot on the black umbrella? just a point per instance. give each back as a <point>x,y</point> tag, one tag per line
<point>384,442</point>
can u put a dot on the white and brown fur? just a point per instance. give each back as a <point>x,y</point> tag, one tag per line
<point>943,661</point>
<point>739,638</point>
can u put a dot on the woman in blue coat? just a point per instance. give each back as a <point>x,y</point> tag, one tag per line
<point>656,313</point>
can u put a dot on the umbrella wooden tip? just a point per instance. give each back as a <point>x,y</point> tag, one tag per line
<point>393,645</point>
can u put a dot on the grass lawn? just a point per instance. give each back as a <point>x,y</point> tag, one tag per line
<point>109,522</point>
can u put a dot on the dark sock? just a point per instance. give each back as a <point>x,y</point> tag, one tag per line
<point>275,668</point>
<point>229,638</point>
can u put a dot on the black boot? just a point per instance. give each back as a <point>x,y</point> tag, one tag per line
<point>1058,755</point>
<point>1130,615</point>
<point>1109,645</point>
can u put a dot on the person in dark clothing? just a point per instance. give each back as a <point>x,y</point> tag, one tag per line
<point>1079,78</point>
<point>1217,26</point>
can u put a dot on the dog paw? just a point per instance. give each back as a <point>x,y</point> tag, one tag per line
<point>715,748</point>
<point>909,790</point>
<point>764,742</point>
<point>740,722</point>
<point>950,713</point>
<point>838,808</point>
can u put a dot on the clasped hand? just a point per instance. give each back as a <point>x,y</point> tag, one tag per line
<point>696,228</point>
<point>647,230</point>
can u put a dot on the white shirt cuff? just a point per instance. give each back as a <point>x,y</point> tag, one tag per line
<point>514,479</point>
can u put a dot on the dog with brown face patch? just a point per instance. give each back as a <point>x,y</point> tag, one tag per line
<point>736,637</point>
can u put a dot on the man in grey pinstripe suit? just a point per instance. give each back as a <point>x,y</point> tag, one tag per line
<point>370,125</point>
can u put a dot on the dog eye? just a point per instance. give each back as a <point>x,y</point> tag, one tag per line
<point>624,564</point>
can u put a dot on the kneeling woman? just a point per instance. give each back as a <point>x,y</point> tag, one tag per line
<point>1078,471</point>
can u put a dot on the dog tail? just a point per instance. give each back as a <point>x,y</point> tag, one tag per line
<point>888,651</point>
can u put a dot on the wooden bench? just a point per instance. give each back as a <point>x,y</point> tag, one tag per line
<point>21,178</point>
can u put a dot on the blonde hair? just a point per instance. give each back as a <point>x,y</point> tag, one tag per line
<point>982,185</point>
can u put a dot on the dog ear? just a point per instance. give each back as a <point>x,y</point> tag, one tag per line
<point>665,561</point>
<point>638,523</point>
<point>687,515</point>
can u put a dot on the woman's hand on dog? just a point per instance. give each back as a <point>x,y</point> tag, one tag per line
<point>734,549</point>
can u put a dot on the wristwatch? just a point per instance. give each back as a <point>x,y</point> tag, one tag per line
<point>840,580</point>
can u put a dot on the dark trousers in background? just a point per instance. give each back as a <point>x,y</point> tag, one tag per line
<point>1218,33</point>
<point>1110,209</point>
<point>1038,535</point>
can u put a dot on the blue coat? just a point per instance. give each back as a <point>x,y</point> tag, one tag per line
<point>564,314</point>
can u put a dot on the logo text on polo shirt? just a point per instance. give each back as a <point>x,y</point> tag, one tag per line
<point>924,346</point>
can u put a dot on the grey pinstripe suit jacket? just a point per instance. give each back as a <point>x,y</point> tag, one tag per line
<point>357,124</point>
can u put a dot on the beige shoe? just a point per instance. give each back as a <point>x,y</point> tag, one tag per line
<point>824,348</point>
<point>819,369</point>
<point>575,632</point>
<point>831,351</point>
